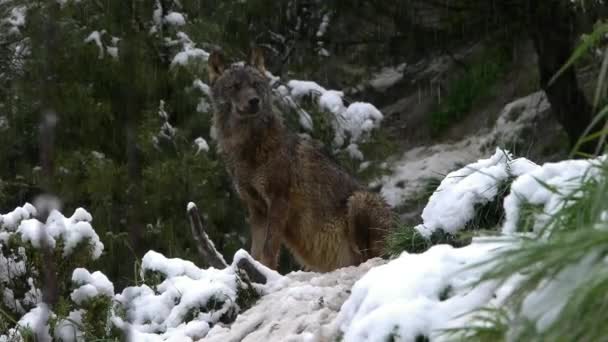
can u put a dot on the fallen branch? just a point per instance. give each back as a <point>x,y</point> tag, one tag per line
<point>211,257</point>
<point>251,271</point>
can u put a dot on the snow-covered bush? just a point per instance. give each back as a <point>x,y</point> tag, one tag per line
<point>435,293</point>
<point>468,199</point>
<point>179,301</point>
<point>350,125</point>
<point>176,300</point>
<point>543,279</point>
<point>27,271</point>
<point>459,197</point>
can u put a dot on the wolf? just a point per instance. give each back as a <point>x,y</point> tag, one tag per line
<point>294,194</point>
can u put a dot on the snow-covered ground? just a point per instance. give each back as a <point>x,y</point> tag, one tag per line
<point>300,306</point>
<point>412,297</point>
<point>410,172</point>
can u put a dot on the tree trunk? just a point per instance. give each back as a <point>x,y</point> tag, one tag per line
<point>551,27</point>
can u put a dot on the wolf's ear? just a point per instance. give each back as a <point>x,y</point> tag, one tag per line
<point>256,59</point>
<point>215,66</point>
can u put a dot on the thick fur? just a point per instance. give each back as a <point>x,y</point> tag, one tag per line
<point>294,194</point>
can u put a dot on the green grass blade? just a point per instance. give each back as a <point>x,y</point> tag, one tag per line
<point>588,42</point>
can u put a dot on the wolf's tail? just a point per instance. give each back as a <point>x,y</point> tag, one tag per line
<point>370,220</point>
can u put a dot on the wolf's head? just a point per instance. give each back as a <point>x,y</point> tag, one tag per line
<point>239,91</point>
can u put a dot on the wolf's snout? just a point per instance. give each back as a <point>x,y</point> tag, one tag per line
<point>254,104</point>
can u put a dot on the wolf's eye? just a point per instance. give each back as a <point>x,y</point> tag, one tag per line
<point>234,87</point>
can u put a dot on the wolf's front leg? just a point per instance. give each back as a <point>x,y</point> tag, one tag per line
<point>257,224</point>
<point>277,223</point>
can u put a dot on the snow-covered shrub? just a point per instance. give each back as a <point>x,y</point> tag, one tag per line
<point>468,199</point>
<point>351,125</point>
<point>436,292</point>
<point>70,241</point>
<point>179,301</point>
<point>539,195</point>
<point>175,301</point>
<point>459,197</point>
<point>544,279</point>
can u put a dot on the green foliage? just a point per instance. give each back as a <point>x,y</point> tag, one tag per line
<point>490,215</point>
<point>96,319</point>
<point>376,149</point>
<point>589,42</point>
<point>246,295</point>
<point>487,220</point>
<point>467,90</point>
<point>97,100</point>
<point>406,238</point>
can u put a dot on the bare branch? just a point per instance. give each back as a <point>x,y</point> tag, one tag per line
<point>210,257</point>
<point>206,249</point>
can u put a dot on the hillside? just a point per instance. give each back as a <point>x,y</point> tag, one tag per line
<point>482,124</point>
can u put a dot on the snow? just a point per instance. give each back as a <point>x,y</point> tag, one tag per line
<point>91,285</point>
<point>204,104</point>
<point>305,119</point>
<point>12,220</point>
<point>68,329</point>
<point>157,262</point>
<point>160,314</point>
<point>359,119</point>
<point>175,19</point>
<point>202,87</point>
<point>410,173</point>
<point>351,124</point>
<point>331,101</point>
<point>354,152</point>
<point>544,303</point>
<point>190,206</point>
<point>72,231</point>
<point>300,306</point>
<point>16,19</point>
<point>95,37</point>
<point>37,321</point>
<point>34,232</point>
<point>112,51</point>
<point>387,77</point>
<point>183,306</point>
<point>538,188</point>
<point>189,52</point>
<point>185,56</point>
<point>10,268</point>
<point>271,275</point>
<point>298,89</point>
<point>98,155</point>
<point>201,145</point>
<point>454,202</point>
<point>4,125</point>
<point>411,297</point>
<point>380,306</point>
<point>323,26</point>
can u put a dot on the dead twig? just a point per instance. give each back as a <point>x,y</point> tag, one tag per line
<point>210,257</point>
